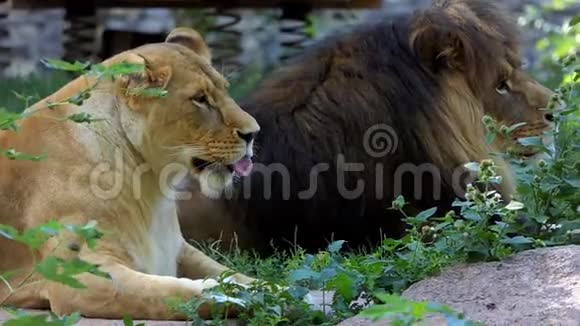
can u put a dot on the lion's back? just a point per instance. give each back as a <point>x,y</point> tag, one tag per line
<point>319,109</point>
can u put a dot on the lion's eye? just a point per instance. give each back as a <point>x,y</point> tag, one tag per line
<point>525,64</point>
<point>200,99</point>
<point>503,88</point>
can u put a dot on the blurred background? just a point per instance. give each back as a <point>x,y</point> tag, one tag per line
<point>248,37</point>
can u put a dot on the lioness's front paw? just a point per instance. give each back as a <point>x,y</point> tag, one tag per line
<point>198,285</point>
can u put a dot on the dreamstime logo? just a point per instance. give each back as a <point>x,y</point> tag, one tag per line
<point>380,140</point>
<point>350,179</point>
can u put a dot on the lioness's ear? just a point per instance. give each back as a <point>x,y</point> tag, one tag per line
<point>153,75</point>
<point>190,39</point>
<point>441,44</point>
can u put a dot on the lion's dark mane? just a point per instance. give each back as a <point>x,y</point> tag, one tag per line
<point>321,104</point>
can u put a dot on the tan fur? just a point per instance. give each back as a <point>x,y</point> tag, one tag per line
<point>142,248</point>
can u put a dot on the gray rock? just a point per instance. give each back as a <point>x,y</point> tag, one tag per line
<point>536,287</point>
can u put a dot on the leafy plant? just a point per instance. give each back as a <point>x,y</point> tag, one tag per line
<point>402,311</point>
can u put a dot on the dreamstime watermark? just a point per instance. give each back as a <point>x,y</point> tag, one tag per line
<point>380,140</point>
<point>351,180</point>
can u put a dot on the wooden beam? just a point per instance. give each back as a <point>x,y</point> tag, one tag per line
<point>40,4</point>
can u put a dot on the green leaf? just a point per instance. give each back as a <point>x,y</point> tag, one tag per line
<point>222,298</point>
<point>77,99</point>
<point>425,215</point>
<point>303,274</point>
<point>8,120</point>
<point>471,215</point>
<point>344,285</point>
<point>24,319</point>
<point>531,141</point>
<point>460,203</point>
<point>8,275</point>
<point>336,246</point>
<point>573,182</point>
<point>298,292</point>
<point>8,232</point>
<point>49,269</point>
<point>65,66</point>
<point>399,202</point>
<point>514,206</point>
<point>14,155</point>
<point>33,237</point>
<point>148,92</point>
<point>575,20</point>
<point>82,117</point>
<point>327,274</point>
<point>517,240</point>
<point>32,320</point>
<point>516,126</point>
<point>89,233</point>
<point>121,69</point>
<point>472,166</point>
<point>550,183</point>
<point>128,321</point>
<point>72,319</point>
<point>490,137</point>
<point>36,237</point>
<point>63,271</point>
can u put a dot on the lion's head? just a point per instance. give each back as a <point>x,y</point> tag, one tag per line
<point>198,124</point>
<point>474,46</point>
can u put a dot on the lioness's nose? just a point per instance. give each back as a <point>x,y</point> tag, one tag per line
<point>247,136</point>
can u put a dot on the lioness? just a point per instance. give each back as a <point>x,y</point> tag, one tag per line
<point>109,171</point>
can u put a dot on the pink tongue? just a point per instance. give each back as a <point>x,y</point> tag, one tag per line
<point>244,166</point>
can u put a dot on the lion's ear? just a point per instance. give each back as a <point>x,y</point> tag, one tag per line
<point>441,47</point>
<point>190,39</point>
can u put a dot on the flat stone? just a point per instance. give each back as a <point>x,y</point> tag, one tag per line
<point>536,287</point>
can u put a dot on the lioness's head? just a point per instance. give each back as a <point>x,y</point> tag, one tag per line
<point>197,124</point>
<point>474,46</point>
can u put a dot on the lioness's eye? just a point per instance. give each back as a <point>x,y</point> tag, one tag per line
<point>200,99</point>
<point>503,88</point>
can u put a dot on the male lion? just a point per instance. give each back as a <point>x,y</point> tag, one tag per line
<point>403,100</point>
<point>111,171</point>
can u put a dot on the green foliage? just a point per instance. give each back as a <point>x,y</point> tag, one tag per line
<point>52,268</point>
<point>12,154</point>
<point>21,318</point>
<point>33,237</point>
<point>35,87</point>
<point>558,42</point>
<point>82,117</point>
<point>8,120</point>
<point>64,271</point>
<point>401,311</point>
<point>148,92</point>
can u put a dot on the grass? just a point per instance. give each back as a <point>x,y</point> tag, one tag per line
<point>36,86</point>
